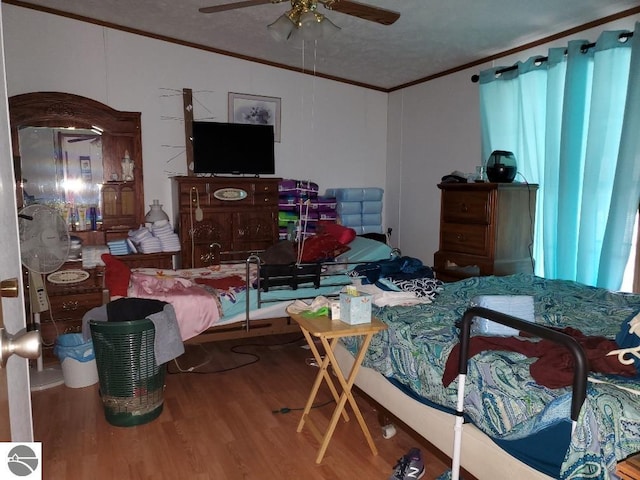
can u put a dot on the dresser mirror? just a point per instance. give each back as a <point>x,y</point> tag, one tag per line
<point>61,166</point>
<point>72,152</point>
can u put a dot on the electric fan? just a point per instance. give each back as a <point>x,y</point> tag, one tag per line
<point>44,247</point>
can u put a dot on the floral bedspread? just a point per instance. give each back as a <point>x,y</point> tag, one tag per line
<point>501,398</point>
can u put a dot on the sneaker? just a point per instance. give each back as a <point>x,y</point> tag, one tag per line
<point>409,467</point>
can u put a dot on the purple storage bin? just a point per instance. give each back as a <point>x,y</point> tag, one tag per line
<point>328,215</point>
<point>299,188</point>
<point>310,215</point>
<point>326,203</point>
<point>286,207</point>
<point>284,200</point>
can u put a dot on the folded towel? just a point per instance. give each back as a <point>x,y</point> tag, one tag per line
<point>519,306</point>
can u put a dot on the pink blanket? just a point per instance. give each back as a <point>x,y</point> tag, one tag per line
<point>196,309</point>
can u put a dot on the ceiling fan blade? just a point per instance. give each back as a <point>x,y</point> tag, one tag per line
<point>233,6</point>
<point>360,10</point>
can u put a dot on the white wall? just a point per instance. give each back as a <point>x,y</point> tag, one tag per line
<point>335,134</point>
<point>332,133</point>
<point>434,128</point>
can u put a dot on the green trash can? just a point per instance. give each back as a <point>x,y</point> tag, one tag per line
<point>131,382</point>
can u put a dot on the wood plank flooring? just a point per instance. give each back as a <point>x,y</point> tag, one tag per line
<point>218,425</point>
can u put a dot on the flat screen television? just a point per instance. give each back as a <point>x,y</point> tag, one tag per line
<point>233,148</point>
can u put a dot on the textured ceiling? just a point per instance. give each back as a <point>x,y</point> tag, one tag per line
<point>431,36</point>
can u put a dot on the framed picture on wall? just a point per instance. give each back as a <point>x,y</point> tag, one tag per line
<point>255,109</point>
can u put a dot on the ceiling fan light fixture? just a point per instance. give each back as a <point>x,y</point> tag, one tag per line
<point>282,28</point>
<point>309,18</point>
<point>302,20</point>
<point>329,28</point>
<point>310,25</point>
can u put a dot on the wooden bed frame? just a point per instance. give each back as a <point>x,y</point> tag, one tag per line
<point>257,328</point>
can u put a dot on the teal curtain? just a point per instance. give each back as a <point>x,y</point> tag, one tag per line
<point>572,120</point>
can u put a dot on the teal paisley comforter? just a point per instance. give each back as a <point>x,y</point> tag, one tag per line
<point>501,398</point>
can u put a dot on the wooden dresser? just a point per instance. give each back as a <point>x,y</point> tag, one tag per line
<point>485,229</point>
<point>161,261</point>
<point>223,218</point>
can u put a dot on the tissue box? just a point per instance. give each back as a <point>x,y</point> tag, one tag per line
<point>355,309</point>
<point>519,306</point>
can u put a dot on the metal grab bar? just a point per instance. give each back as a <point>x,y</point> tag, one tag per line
<point>581,368</point>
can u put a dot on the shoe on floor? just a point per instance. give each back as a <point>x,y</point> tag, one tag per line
<point>409,467</point>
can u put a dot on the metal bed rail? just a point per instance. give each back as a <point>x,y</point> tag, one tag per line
<point>314,278</point>
<point>581,368</point>
<point>580,371</point>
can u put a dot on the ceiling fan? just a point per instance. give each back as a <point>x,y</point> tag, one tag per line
<point>91,139</point>
<point>348,7</point>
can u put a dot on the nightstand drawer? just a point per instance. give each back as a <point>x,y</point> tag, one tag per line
<point>466,207</point>
<point>51,331</point>
<point>471,239</point>
<point>71,307</point>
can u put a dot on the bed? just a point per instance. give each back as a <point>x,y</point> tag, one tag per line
<point>241,299</point>
<point>517,428</point>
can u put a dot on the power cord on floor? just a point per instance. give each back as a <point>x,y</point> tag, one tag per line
<point>284,410</point>
<point>233,349</point>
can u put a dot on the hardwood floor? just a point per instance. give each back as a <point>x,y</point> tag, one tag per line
<point>218,425</point>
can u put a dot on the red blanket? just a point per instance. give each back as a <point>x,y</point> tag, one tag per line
<point>554,367</point>
<point>224,283</point>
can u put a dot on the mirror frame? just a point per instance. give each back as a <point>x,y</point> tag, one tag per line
<point>121,132</point>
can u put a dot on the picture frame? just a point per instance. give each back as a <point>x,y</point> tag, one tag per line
<point>85,168</point>
<point>255,109</point>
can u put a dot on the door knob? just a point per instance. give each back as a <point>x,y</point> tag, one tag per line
<point>26,345</point>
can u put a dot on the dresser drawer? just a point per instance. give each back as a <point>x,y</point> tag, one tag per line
<point>51,331</point>
<point>265,198</point>
<point>162,260</point>
<point>466,207</point>
<point>471,239</point>
<point>211,195</point>
<point>72,307</point>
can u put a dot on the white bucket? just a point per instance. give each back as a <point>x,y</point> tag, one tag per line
<point>79,374</point>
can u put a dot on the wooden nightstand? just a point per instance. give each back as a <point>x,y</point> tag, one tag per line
<point>329,332</point>
<point>68,303</point>
<point>485,229</point>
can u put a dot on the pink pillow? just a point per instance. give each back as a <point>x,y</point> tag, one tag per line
<point>116,275</point>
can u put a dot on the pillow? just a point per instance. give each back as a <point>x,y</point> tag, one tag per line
<point>627,339</point>
<point>321,247</point>
<point>281,253</point>
<point>116,275</point>
<point>342,234</point>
